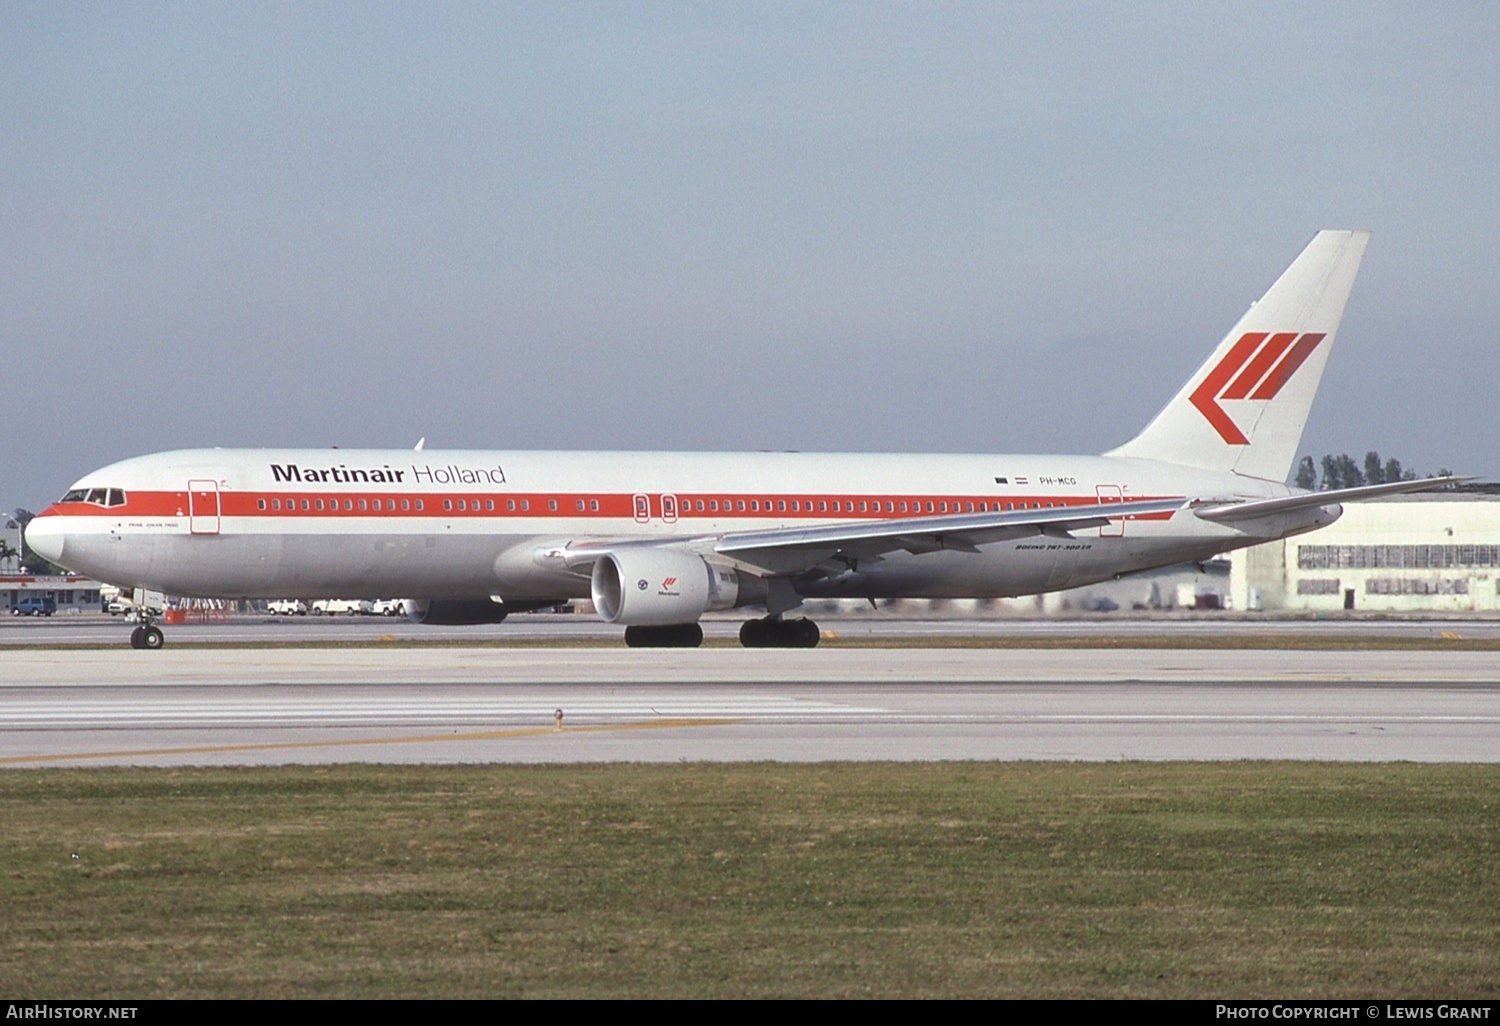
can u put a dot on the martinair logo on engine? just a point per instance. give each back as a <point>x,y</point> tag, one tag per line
<point>669,587</point>
<point>1256,367</point>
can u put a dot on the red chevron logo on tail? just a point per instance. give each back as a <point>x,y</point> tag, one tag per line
<point>1256,367</point>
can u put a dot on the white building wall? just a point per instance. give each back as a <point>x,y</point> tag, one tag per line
<point>1413,553</point>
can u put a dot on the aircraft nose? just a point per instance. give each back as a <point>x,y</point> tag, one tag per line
<point>44,536</point>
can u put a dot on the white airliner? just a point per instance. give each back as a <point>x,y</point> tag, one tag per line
<point>658,539</point>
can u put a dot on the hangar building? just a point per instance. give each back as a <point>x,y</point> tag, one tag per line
<point>1435,551</point>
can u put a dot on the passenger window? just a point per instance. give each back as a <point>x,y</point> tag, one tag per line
<point>489,505</point>
<point>552,505</point>
<point>593,505</point>
<point>740,505</point>
<point>362,505</point>
<point>260,503</point>
<point>405,505</point>
<point>320,505</point>
<point>510,505</point>
<point>447,504</point>
<point>419,505</point>
<point>525,505</point>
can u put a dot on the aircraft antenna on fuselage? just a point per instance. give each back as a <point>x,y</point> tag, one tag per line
<point>420,442</point>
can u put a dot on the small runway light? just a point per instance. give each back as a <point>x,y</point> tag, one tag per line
<point>558,717</point>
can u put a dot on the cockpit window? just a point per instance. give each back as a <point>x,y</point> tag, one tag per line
<point>98,496</point>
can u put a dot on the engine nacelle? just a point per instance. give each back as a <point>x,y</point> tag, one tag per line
<point>659,586</point>
<point>467,612</point>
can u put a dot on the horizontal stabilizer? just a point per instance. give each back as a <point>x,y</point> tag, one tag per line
<point>1311,500</point>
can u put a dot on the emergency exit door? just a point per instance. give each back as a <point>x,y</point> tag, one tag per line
<point>203,507</point>
<point>1105,494</point>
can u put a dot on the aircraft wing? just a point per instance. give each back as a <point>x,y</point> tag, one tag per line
<point>1231,511</point>
<point>792,550</point>
<point>786,551</point>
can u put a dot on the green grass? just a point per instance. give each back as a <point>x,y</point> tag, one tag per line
<point>702,880</point>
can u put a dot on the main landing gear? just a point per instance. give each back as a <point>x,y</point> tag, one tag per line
<point>774,632</point>
<point>677,635</point>
<point>766,632</point>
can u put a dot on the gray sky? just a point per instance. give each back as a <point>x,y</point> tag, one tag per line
<point>915,227</point>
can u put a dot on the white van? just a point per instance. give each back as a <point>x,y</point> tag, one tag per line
<point>333,607</point>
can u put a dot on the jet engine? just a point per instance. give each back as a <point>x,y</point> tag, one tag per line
<point>661,586</point>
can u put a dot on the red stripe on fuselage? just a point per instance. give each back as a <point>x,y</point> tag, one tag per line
<point>528,505</point>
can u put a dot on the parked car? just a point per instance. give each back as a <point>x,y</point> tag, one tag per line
<point>286,607</point>
<point>34,605</point>
<point>386,607</point>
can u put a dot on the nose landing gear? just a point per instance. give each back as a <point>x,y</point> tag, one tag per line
<point>147,635</point>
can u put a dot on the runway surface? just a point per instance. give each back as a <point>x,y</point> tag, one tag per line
<point>106,631</point>
<point>185,706</point>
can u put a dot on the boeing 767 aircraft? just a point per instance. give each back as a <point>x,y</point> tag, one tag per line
<point>657,539</point>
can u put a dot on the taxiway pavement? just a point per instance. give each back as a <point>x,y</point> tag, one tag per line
<point>190,706</point>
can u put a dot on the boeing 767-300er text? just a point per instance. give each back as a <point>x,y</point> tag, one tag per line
<point>658,539</point>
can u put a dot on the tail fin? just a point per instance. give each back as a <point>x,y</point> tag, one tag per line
<point>1243,411</point>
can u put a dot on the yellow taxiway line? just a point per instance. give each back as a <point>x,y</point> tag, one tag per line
<point>487,735</point>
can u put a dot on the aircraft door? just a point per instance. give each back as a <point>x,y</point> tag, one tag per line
<point>203,507</point>
<point>1111,493</point>
<point>642,509</point>
<point>669,509</point>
